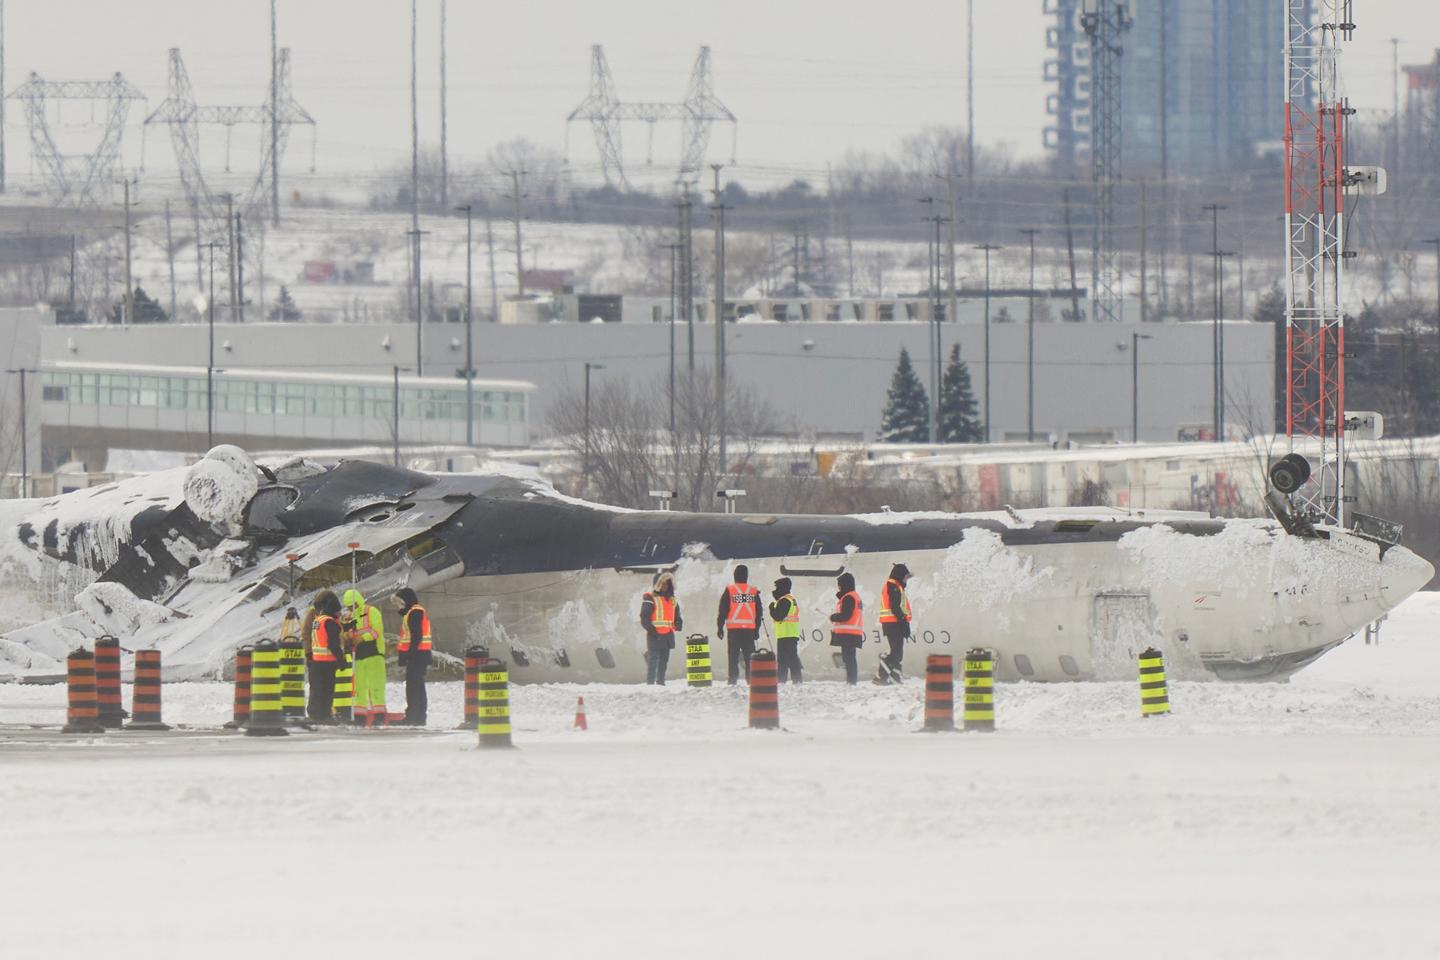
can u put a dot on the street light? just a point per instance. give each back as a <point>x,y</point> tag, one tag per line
<point>585,472</point>
<point>1135,339</point>
<point>24,431</point>
<point>1030,346</point>
<point>1220,256</point>
<point>987,247</point>
<point>469,335</point>
<point>210,363</point>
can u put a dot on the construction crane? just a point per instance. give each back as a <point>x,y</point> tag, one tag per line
<point>86,179</point>
<point>603,109</point>
<point>1104,21</point>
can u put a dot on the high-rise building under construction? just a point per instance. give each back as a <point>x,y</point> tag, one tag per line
<point>1210,71</point>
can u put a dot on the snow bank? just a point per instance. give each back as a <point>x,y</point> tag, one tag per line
<point>987,573</point>
<point>118,611</point>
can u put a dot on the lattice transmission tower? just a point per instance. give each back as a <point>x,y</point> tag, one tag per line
<point>603,109</point>
<point>1316,182</point>
<point>183,116</point>
<point>77,179</point>
<point>1104,21</point>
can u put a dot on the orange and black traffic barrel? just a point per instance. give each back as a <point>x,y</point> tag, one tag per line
<point>471,718</point>
<point>81,714</point>
<point>266,719</point>
<point>764,691</point>
<point>107,682</point>
<point>241,715</point>
<point>145,699</point>
<point>939,692</point>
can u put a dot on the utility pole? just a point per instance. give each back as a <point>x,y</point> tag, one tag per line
<point>518,199</point>
<point>674,249</point>
<point>1144,279</point>
<point>969,95</point>
<point>719,209</point>
<point>1075,313</point>
<point>415,235</point>
<point>274,124</point>
<point>1135,339</point>
<point>129,284</point>
<point>1214,210</point>
<point>72,275</point>
<point>240,267</point>
<point>210,362</point>
<point>1164,148</point>
<point>230,255</point>
<point>1220,256</point>
<point>169,259</point>
<point>1030,345</point>
<point>24,429</point>
<point>931,295</point>
<point>849,255</point>
<point>494,290</point>
<point>987,247</point>
<point>1395,106</point>
<point>444,166</point>
<point>394,420</point>
<point>469,331</point>
<point>687,280</point>
<point>952,314</point>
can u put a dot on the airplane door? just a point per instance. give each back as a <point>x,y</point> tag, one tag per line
<point>1121,625</point>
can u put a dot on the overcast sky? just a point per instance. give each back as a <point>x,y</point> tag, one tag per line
<point>807,80</point>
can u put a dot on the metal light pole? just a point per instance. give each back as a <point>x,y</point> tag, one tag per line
<point>673,248</point>
<point>585,471</point>
<point>24,431</point>
<point>469,333</point>
<point>1214,210</point>
<point>987,248</point>
<point>1135,339</point>
<point>1030,347</point>
<point>210,363</point>
<point>930,295</point>
<point>1220,256</point>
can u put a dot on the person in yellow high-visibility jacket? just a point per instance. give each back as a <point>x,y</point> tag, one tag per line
<point>368,629</point>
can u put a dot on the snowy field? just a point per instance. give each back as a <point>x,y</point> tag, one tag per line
<point>1274,820</point>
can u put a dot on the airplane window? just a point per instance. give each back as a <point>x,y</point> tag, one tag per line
<point>562,658</point>
<point>517,657</point>
<point>1067,663</point>
<point>606,658</point>
<point>1022,663</point>
<point>262,514</point>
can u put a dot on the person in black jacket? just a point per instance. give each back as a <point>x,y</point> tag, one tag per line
<point>894,623</point>
<point>326,654</point>
<point>661,620</point>
<point>847,625</point>
<point>785,614</point>
<point>415,654</point>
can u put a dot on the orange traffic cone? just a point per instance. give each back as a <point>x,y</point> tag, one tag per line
<point>580,723</point>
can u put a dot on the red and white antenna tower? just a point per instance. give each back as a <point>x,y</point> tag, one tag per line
<point>1316,182</point>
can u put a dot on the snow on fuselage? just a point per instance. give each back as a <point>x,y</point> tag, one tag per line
<point>553,585</point>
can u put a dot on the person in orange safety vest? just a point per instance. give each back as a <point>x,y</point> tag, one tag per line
<point>739,621</point>
<point>895,617</point>
<point>414,654</point>
<point>847,625</point>
<point>660,617</point>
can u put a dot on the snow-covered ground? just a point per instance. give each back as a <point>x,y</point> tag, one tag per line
<point>1270,820</point>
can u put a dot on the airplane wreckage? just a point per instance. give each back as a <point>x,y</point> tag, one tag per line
<point>199,560</point>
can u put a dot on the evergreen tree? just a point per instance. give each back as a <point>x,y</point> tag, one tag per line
<point>285,308</point>
<point>146,309</point>
<point>959,421</point>
<point>906,418</point>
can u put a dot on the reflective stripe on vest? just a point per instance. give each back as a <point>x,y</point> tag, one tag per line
<point>663,619</point>
<point>790,626</point>
<point>320,650</point>
<point>744,607</point>
<point>424,643</point>
<point>886,614</point>
<point>855,626</point>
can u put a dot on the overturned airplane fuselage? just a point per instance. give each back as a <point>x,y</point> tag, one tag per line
<point>204,560</point>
